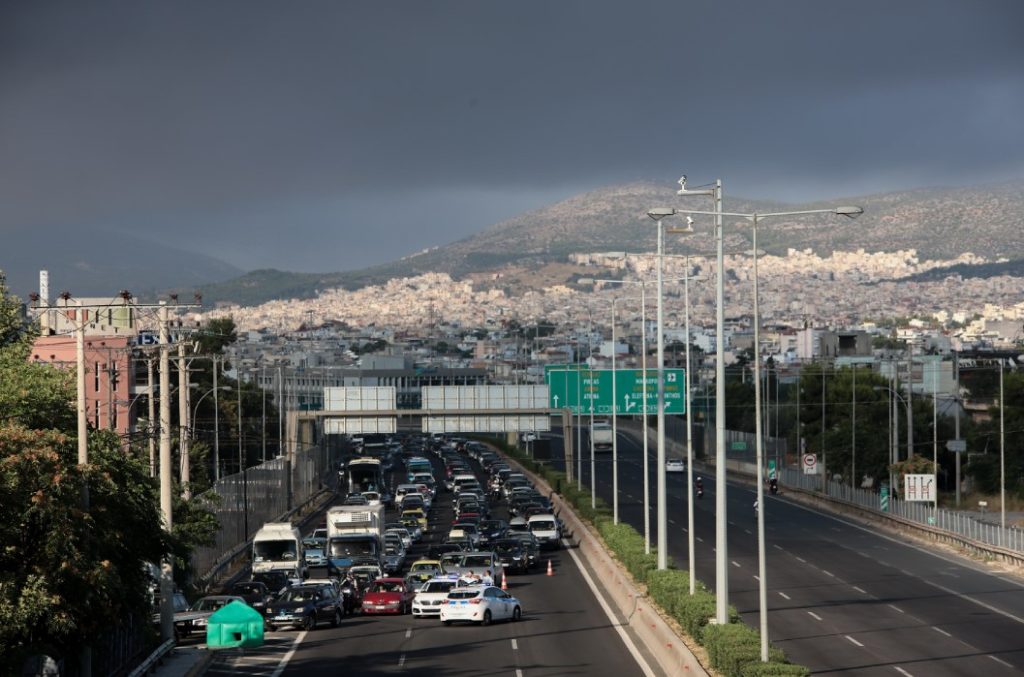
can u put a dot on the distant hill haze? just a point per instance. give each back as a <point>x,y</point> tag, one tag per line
<point>101,263</point>
<point>940,223</point>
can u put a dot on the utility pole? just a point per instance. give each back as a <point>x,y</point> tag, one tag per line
<point>956,435</point>
<point>216,424</point>
<point>167,566</point>
<point>151,421</point>
<point>263,426</point>
<point>183,415</point>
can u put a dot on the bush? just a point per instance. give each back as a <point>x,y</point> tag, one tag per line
<point>771,668</point>
<point>732,647</point>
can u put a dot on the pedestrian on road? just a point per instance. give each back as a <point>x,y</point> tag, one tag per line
<point>487,578</point>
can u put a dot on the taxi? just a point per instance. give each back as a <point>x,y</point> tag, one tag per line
<point>418,514</point>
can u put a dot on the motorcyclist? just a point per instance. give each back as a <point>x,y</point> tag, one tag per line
<point>773,485</point>
<point>699,484</point>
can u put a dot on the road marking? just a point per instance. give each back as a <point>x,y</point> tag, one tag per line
<point>672,521</point>
<point>736,564</point>
<point>801,559</point>
<point>749,532</point>
<point>608,612</point>
<point>757,578</point>
<point>401,660</point>
<point>519,673</point>
<point>699,539</point>
<point>814,616</point>
<point>863,592</point>
<point>941,631</point>
<point>853,640</point>
<point>288,656</point>
<point>1000,660</point>
<point>896,608</point>
<point>828,573</point>
<point>903,672</point>
<point>784,595</point>
<point>515,645</point>
<point>976,601</point>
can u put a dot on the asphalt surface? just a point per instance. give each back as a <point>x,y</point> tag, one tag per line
<point>564,631</point>
<point>842,600</point>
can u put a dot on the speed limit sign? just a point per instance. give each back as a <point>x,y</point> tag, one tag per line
<point>810,464</point>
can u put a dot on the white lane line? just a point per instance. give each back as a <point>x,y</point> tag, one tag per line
<point>941,631</point>
<point>672,521</point>
<point>828,573</point>
<point>801,559</point>
<point>903,672</point>
<point>749,532</point>
<point>288,656</point>
<point>519,673</point>
<point>736,564</point>
<point>408,633</point>
<point>515,645</point>
<point>401,660</point>
<point>814,616</point>
<point>776,545</point>
<point>863,592</point>
<point>976,601</point>
<point>784,595</point>
<point>644,667</point>
<point>699,539</point>
<point>853,640</point>
<point>1000,660</point>
<point>896,608</point>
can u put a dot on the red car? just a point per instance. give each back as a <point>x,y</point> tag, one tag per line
<point>388,596</point>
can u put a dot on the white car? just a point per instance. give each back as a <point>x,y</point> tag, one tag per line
<point>480,604</point>
<point>429,598</point>
<point>372,498</point>
<point>403,534</point>
<point>675,465</point>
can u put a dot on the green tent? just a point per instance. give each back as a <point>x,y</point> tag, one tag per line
<point>235,624</point>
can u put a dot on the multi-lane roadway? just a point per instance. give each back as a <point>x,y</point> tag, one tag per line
<point>564,631</point>
<point>843,599</point>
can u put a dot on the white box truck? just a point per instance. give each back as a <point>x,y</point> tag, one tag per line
<point>355,535</point>
<point>277,546</point>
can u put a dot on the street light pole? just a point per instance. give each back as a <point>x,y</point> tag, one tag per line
<point>615,428</point>
<point>216,424</point>
<point>692,551</point>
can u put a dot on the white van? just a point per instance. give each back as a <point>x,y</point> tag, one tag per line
<point>545,529</point>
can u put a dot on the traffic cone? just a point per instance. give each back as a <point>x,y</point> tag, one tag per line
<point>551,572</point>
<point>504,580</point>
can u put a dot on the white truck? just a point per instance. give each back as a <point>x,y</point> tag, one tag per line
<point>355,535</point>
<point>601,434</point>
<point>277,546</point>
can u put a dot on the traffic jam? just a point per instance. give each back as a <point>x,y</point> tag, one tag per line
<point>428,526</point>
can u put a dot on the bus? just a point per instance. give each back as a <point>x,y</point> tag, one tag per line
<point>365,474</point>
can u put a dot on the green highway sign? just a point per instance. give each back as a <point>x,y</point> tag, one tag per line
<point>581,389</point>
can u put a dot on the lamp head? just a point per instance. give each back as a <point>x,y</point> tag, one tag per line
<point>659,213</point>
<point>689,222</point>
<point>682,184</point>
<point>851,212</point>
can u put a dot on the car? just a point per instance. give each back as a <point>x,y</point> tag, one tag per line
<point>401,531</point>
<point>366,574</point>
<point>512,554</point>
<point>315,557</point>
<point>413,525</point>
<point>355,499</point>
<point>394,555</point>
<point>417,514</point>
<point>425,566</point>
<point>545,528</point>
<point>429,598</point>
<point>675,465</point>
<point>491,530</point>
<point>305,606</point>
<point>480,604</point>
<point>478,562</point>
<point>256,594</point>
<point>388,596</point>
<point>205,606</point>
<point>372,497</point>
<point>530,544</point>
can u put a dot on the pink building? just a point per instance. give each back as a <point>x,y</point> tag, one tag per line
<point>109,376</point>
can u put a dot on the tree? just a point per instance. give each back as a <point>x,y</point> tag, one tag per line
<point>67,573</point>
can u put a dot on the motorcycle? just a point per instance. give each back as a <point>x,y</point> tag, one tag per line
<point>773,486</point>
<point>351,597</point>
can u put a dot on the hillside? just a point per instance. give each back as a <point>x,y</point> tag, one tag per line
<point>940,223</point>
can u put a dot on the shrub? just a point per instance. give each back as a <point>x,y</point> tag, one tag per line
<point>732,647</point>
<point>772,668</point>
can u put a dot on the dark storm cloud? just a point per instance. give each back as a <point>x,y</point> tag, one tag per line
<point>317,135</point>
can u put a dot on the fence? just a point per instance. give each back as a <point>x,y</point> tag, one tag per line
<point>243,502</point>
<point>952,521</point>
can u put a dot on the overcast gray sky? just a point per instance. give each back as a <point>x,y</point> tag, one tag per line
<point>330,135</point>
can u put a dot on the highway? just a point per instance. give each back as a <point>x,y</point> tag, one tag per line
<point>842,600</point>
<point>564,631</point>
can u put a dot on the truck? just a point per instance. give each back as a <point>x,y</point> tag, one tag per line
<point>277,546</point>
<point>601,434</point>
<point>355,535</point>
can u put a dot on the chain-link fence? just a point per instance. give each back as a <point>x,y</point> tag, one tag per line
<point>245,501</point>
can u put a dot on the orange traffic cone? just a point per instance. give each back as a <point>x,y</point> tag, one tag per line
<point>504,580</point>
<point>551,572</point>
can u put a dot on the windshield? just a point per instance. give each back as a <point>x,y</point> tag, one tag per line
<point>451,560</point>
<point>273,551</point>
<point>504,548</point>
<point>546,525</point>
<point>387,586</point>
<point>299,595</point>
<point>477,561</point>
<point>351,549</point>
<point>438,586</point>
<point>207,604</point>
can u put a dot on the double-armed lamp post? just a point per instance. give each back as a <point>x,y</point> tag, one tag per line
<point>721,572</point>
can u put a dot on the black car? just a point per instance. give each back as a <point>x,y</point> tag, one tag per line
<point>491,530</point>
<point>530,544</point>
<point>512,554</point>
<point>276,581</point>
<point>305,606</point>
<point>439,549</point>
<point>255,593</point>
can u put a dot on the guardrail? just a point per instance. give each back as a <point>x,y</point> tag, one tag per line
<point>153,659</point>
